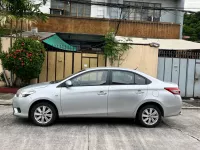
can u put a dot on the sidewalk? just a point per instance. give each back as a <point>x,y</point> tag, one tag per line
<point>5,98</point>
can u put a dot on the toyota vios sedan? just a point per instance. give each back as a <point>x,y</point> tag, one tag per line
<point>100,92</point>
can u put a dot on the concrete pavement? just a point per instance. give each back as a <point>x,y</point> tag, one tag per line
<point>5,98</point>
<point>181,132</point>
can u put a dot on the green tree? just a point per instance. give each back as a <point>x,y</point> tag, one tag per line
<point>19,11</point>
<point>191,26</point>
<point>25,59</point>
<point>114,50</point>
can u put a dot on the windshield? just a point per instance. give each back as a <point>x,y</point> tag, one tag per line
<point>57,81</point>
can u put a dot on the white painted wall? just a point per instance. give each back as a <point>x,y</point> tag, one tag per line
<point>166,16</point>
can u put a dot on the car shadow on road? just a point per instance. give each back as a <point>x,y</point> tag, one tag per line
<point>87,121</point>
<point>93,121</point>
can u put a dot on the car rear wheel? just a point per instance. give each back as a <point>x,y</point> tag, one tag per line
<point>149,116</point>
<point>43,114</point>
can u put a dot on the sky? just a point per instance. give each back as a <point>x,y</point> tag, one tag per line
<point>193,5</point>
<point>43,8</point>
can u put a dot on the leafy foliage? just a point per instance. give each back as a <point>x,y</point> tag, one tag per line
<point>20,10</point>
<point>25,59</point>
<point>113,50</point>
<point>192,26</point>
<point>0,45</point>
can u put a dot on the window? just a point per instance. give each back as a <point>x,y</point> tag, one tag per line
<point>142,11</point>
<point>56,11</point>
<point>70,8</point>
<point>139,80</point>
<point>100,12</point>
<point>128,78</point>
<point>93,78</point>
<point>114,12</point>
<point>80,10</point>
<point>122,77</point>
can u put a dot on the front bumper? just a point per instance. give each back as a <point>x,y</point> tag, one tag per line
<point>21,106</point>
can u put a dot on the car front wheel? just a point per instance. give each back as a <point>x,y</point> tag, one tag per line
<point>149,116</point>
<point>43,114</point>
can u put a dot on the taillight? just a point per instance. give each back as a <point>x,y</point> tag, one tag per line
<point>175,91</point>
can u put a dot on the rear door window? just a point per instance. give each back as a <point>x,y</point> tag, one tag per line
<point>127,78</point>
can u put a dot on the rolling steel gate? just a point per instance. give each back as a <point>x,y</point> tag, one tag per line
<point>182,68</point>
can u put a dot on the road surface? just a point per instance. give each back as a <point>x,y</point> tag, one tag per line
<point>181,132</point>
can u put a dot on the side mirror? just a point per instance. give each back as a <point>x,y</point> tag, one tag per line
<point>68,83</point>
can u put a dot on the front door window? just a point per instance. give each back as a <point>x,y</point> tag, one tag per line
<point>93,78</point>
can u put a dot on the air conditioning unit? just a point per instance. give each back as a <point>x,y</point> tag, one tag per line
<point>34,30</point>
<point>156,19</point>
<point>150,18</point>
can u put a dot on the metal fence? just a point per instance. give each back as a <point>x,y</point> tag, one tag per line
<point>182,68</point>
<point>179,54</point>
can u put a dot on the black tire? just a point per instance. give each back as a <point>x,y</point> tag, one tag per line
<point>53,111</point>
<point>139,116</point>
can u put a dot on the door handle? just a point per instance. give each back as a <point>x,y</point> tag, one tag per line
<point>140,92</point>
<point>102,93</point>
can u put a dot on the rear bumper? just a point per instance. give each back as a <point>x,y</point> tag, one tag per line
<point>175,108</point>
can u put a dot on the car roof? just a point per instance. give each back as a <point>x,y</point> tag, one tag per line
<point>109,68</point>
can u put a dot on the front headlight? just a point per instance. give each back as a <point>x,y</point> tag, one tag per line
<point>24,93</point>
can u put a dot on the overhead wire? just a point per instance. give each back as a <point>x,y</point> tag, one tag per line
<point>124,6</point>
<point>117,5</point>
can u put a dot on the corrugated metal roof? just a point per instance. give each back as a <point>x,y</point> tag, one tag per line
<point>167,44</point>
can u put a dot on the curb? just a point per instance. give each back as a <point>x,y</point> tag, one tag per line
<point>6,102</point>
<point>190,107</point>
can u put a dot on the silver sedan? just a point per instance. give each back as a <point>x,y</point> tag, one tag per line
<point>100,92</point>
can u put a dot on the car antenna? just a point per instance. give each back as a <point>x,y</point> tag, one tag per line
<point>136,68</point>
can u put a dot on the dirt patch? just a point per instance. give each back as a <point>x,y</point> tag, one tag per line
<point>195,102</point>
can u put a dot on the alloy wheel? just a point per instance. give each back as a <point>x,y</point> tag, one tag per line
<point>150,116</point>
<point>43,114</point>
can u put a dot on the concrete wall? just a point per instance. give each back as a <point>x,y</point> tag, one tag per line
<point>180,16</point>
<point>5,41</point>
<point>142,57</point>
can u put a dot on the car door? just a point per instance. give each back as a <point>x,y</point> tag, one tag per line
<point>87,96</point>
<point>126,90</point>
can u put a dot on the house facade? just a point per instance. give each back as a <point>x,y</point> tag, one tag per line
<point>83,23</point>
<point>145,10</point>
<point>72,8</point>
